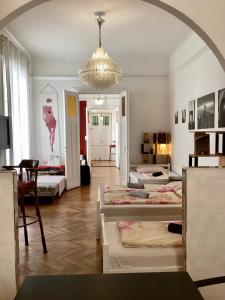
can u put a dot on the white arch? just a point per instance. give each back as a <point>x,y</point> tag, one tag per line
<point>169,8</point>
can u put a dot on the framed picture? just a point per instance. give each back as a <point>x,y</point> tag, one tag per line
<point>206,111</point>
<point>221,108</point>
<point>176,117</point>
<point>49,121</point>
<point>183,115</point>
<point>191,115</point>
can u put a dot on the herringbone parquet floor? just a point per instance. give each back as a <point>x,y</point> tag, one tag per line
<point>70,230</point>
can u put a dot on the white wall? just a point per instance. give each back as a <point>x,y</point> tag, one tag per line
<point>194,72</point>
<point>148,98</point>
<point>149,110</point>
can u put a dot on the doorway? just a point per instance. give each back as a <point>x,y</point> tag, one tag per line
<point>103,126</point>
<point>102,129</point>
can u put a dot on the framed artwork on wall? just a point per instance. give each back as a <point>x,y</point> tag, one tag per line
<point>49,121</point>
<point>183,115</point>
<point>221,108</point>
<point>176,117</point>
<point>206,111</point>
<point>191,115</point>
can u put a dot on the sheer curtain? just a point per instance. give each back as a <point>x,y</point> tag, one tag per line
<point>15,94</point>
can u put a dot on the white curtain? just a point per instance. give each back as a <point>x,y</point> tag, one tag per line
<point>15,94</point>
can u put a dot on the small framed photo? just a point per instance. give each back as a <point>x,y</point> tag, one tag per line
<point>183,115</point>
<point>221,108</point>
<point>191,115</point>
<point>206,111</point>
<point>176,118</point>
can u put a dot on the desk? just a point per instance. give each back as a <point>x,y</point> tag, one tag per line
<point>152,286</point>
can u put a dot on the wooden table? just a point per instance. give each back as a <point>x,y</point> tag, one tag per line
<point>146,286</point>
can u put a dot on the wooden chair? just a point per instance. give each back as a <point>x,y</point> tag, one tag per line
<point>27,186</point>
<point>112,146</point>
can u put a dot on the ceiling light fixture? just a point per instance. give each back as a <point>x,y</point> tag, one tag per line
<point>100,100</point>
<point>101,71</point>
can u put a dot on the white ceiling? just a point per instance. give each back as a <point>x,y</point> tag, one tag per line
<point>140,37</point>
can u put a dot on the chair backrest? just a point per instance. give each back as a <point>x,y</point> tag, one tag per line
<point>30,166</point>
<point>29,163</point>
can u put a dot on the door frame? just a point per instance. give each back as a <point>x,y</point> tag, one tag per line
<point>72,120</point>
<point>89,98</point>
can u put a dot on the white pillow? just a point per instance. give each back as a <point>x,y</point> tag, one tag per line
<point>149,169</point>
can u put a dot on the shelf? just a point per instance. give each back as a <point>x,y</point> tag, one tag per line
<point>206,155</point>
<point>155,147</point>
<point>196,156</point>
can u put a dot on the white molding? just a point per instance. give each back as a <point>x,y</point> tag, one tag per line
<point>55,78</point>
<point>91,96</point>
<point>76,78</point>
<point>189,61</point>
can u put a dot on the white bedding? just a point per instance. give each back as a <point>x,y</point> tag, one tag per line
<point>140,259</point>
<point>47,180</point>
<point>136,177</point>
<point>149,169</point>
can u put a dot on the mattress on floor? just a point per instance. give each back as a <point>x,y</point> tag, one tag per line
<point>132,258</point>
<point>50,185</point>
<point>136,177</point>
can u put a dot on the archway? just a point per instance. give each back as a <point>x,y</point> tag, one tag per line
<point>170,9</point>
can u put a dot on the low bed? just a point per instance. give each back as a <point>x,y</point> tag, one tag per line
<point>147,174</point>
<point>50,185</point>
<point>114,202</point>
<point>120,259</point>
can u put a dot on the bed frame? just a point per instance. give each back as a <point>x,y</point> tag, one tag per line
<point>109,268</point>
<point>152,212</point>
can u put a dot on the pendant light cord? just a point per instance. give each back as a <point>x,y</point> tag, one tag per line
<point>100,21</point>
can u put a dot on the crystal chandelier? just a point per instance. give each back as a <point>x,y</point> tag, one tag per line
<point>101,71</point>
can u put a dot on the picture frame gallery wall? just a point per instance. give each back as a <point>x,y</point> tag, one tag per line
<point>205,112</point>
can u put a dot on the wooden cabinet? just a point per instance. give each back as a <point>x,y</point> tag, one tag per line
<point>9,236</point>
<point>204,222</point>
<point>155,147</point>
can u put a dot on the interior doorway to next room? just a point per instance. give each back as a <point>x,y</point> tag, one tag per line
<point>102,129</point>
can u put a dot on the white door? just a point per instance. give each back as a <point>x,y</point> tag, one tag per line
<point>124,138</point>
<point>88,137</point>
<point>72,139</point>
<point>106,135</point>
<point>95,137</point>
<point>101,135</point>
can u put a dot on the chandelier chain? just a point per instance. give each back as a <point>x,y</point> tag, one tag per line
<point>100,21</point>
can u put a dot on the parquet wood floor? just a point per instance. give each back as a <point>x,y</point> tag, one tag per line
<point>103,163</point>
<point>70,231</point>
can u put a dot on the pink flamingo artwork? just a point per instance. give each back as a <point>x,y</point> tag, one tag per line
<point>50,121</point>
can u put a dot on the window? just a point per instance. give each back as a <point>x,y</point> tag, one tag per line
<point>105,120</point>
<point>95,120</point>
<point>16,104</point>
